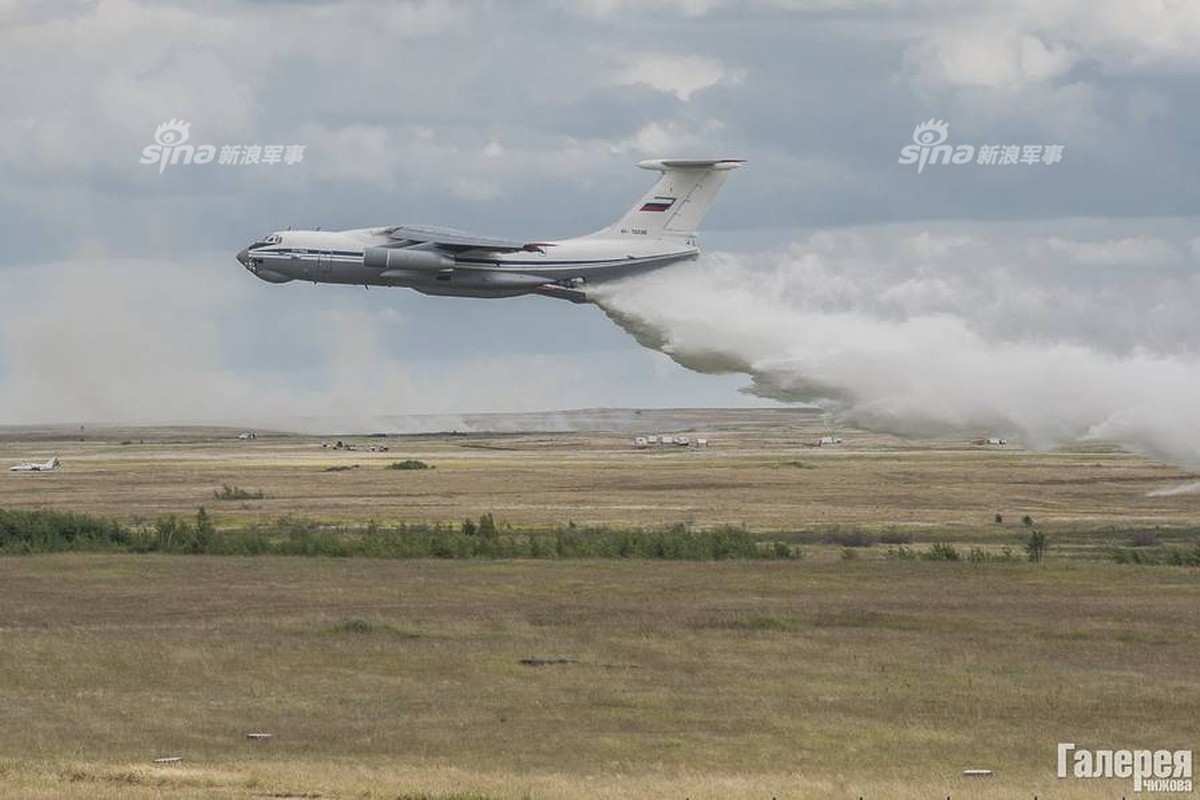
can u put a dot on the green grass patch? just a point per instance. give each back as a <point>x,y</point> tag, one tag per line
<point>24,532</point>
<point>759,622</point>
<point>863,618</point>
<point>410,463</point>
<point>46,531</point>
<point>359,626</point>
<point>796,463</point>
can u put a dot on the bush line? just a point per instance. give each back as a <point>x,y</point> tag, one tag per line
<point>43,531</point>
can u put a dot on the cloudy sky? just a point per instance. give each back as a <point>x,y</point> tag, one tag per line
<point>121,299</point>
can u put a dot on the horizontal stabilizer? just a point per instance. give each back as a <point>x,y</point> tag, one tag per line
<point>663,164</point>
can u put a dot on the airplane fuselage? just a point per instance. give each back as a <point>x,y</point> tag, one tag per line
<point>48,466</point>
<point>370,257</point>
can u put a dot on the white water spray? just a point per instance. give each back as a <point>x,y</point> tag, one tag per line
<point>1043,338</point>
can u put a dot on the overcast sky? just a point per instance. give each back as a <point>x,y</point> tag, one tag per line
<point>122,301</point>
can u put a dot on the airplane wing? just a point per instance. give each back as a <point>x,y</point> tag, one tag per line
<point>456,241</point>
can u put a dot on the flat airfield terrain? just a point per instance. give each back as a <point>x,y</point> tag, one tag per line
<point>761,469</point>
<point>848,672</point>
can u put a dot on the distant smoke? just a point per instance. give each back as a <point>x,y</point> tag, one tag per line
<point>1039,337</point>
<point>103,339</point>
<point>108,340</point>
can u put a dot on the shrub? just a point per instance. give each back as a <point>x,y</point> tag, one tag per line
<point>1145,538</point>
<point>49,531</point>
<point>227,492</point>
<point>941,551</point>
<point>1035,547</point>
<point>43,531</point>
<point>896,537</point>
<point>410,463</point>
<point>978,555</point>
<point>175,535</point>
<point>354,625</point>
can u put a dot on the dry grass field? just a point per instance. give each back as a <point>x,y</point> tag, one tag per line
<point>760,470</point>
<point>819,677</point>
<point>405,678</point>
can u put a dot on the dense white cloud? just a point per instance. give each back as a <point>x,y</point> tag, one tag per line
<point>1032,46</point>
<point>679,75</point>
<point>671,138</point>
<point>983,57</point>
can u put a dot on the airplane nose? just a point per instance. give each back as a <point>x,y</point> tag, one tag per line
<point>243,256</point>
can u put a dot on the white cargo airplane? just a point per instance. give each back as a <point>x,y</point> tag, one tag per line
<point>33,466</point>
<point>659,230</point>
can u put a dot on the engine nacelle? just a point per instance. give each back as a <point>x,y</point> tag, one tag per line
<point>405,258</point>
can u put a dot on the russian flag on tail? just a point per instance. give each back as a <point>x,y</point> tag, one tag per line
<point>658,204</point>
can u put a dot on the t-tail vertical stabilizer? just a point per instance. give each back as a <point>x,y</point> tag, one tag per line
<point>674,206</point>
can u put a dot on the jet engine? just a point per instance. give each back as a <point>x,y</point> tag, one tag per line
<point>405,258</point>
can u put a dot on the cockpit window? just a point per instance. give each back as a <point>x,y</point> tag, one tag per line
<point>267,241</point>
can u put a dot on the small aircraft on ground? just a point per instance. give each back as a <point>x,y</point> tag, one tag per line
<point>34,466</point>
<point>659,230</point>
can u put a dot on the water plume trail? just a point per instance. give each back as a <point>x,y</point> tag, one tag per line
<point>935,336</point>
